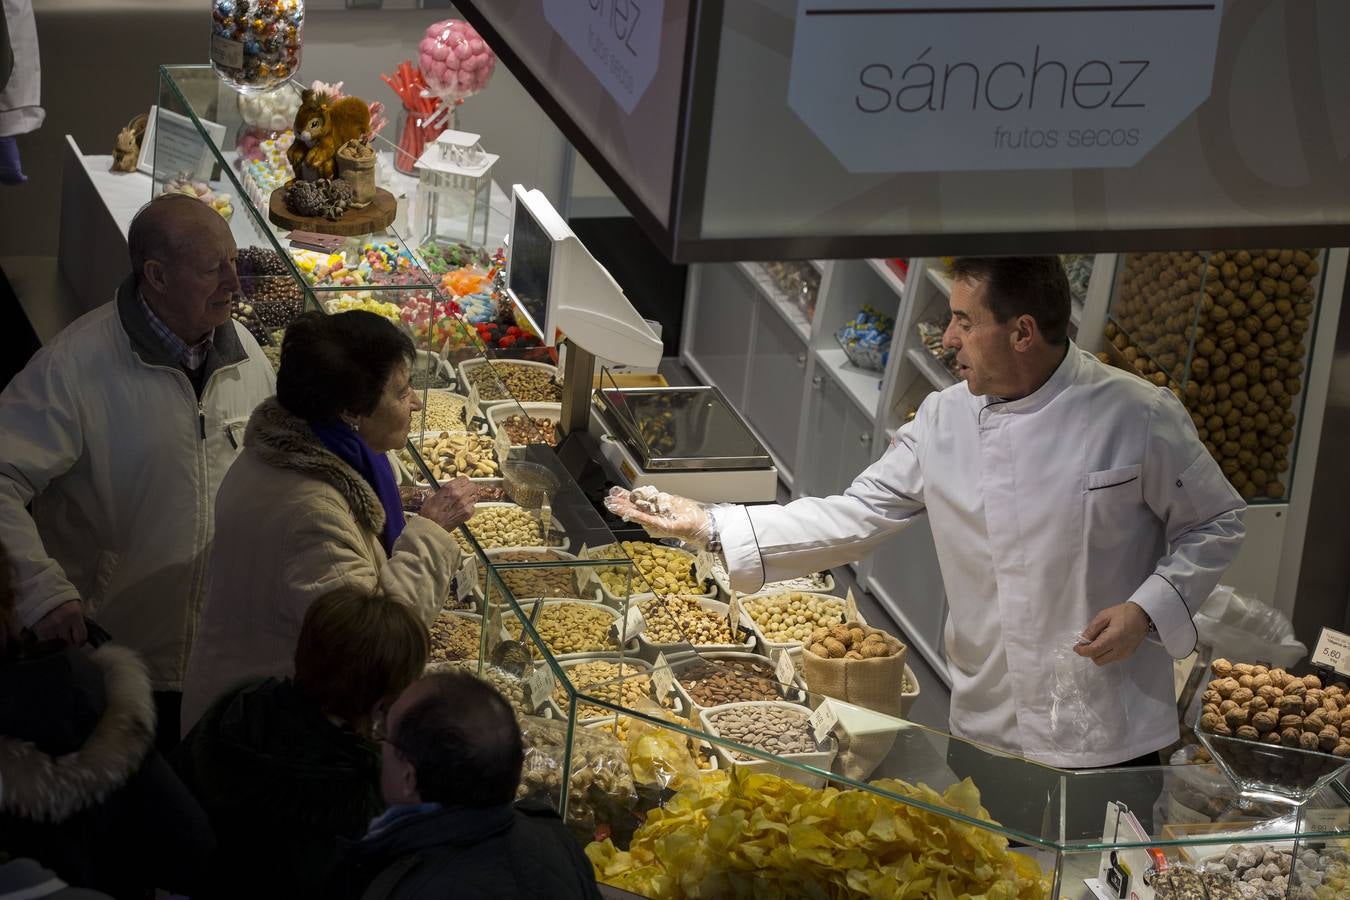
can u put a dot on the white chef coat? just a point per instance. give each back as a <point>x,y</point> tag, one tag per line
<point>1046,510</point>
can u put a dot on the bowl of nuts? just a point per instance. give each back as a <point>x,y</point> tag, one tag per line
<point>711,679</point>
<point>525,423</point>
<point>496,381</point>
<point>787,620</point>
<point>500,525</point>
<point>1277,737</point>
<point>656,569</point>
<point>773,727</point>
<point>570,628</point>
<point>449,454</point>
<point>681,622</point>
<point>625,682</point>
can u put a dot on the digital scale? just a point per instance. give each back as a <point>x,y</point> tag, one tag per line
<point>686,441</point>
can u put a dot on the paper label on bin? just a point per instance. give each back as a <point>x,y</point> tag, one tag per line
<point>784,670</point>
<point>1324,820</point>
<point>850,607</point>
<point>631,625</point>
<point>703,566</point>
<point>468,576</point>
<point>1332,651</point>
<point>663,682</point>
<point>736,617</point>
<point>227,53</point>
<point>823,720</point>
<point>503,445</point>
<point>474,406</point>
<point>539,686</point>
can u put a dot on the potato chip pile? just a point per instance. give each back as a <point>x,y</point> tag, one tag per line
<point>740,834</point>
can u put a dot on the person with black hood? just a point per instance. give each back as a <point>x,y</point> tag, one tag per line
<point>82,789</point>
<point>287,767</point>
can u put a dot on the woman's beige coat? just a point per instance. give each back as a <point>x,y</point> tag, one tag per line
<point>294,522</point>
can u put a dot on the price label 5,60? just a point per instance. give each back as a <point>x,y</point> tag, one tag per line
<point>1332,652</point>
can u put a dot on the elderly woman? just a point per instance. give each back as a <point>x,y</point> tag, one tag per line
<point>312,506</point>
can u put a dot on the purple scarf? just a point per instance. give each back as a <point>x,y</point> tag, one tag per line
<point>347,445</point>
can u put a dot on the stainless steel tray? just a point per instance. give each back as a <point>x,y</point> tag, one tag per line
<point>680,428</point>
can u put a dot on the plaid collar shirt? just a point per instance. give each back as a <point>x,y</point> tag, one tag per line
<point>191,356</point>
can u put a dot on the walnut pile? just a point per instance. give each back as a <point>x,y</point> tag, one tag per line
<point>1246,348</point>
<point>1257,703</point>
<point>325,197</point>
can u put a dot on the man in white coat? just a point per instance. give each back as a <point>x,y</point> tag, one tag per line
<point>1066,498</point>
<point>118,433</point>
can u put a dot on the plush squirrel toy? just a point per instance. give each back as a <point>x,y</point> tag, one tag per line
<point>321,127</point>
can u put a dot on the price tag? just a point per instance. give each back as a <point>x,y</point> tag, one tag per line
<point>823,720</point>
<point>468,576</point>
<point>851,608</point>
<point>736,617</point>
<point>631,625</point>
<point>1332,652</point>
<point>495,625</point>
<point>226,53</point>
<point>784,670</point>
<point>503,445</point>
<point>475,409</point>
<point>539,686</point>
<point>663,682</point>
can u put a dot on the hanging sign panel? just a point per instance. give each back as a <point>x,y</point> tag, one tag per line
<point>972,84</point>
<point>618,40</point>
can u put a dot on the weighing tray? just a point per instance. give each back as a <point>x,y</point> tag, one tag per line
<point>680,428</point>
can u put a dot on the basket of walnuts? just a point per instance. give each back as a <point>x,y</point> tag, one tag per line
<point>1275,735</point>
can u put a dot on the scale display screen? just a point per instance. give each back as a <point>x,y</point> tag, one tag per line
<point>531,267</point>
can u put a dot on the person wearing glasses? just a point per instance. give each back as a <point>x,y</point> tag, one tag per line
<point>117,435</point>
<point>286,767</point>
<point>1079,522</point>
<point>312,505</point>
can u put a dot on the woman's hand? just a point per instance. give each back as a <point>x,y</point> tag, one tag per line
<point>452,505</point>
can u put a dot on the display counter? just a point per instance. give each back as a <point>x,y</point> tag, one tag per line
<point>693,737</point>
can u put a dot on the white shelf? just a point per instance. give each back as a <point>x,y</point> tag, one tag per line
<point>777,299</point>
<point>888,275</point>
<point>932,369</point>
<point>940,279</point>
<point>863,385</point>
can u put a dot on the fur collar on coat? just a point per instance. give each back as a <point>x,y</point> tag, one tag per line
<point>48,789</point>
<point>287,442</point>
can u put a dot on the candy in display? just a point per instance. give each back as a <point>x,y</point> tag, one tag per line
<point>867,339</point>
<point>220,202</point>
<point>270,111</point>
<point>255,44</point>
<point>363,300</point>
<point>441,258</point>
<point>455,61</point>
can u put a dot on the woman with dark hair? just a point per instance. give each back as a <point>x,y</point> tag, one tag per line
<point>285,767</point>
<point>312,505</point>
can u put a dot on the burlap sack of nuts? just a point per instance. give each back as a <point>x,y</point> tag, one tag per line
<point>863,666</point>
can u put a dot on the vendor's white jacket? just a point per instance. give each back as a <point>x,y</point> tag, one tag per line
<point>1091,491</point>
<point>106,438</point>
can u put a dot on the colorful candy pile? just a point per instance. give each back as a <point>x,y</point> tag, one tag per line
<point>374,263</point>
<point>493,334</point>
<point>435,322</point>
<point>441,258</point>
<point>221,202</point>
<point>270,112</point>
<point>256,45</point>
<point>265,168</point>
<point>346,302</point>
<point>867,339</point>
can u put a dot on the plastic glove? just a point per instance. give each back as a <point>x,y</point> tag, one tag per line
<point>663,515</point>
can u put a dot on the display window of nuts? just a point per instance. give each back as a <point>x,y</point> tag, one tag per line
<point>660,569</point>
<point>680,619</point>
<point>570,627</point>
<point>1242,318</point>
<point>793,617</point>
<point>553,581</point>
<point>505,381</point>
<point>714,682</point>
<point>450,454</point>
<point>507,525</point>
<point>624,684</point>
<point>776,729</point>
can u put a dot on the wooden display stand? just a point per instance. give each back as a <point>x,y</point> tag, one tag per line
<point>378,216</point>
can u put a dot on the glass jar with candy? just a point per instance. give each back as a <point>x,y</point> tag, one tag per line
<point>255,44</point>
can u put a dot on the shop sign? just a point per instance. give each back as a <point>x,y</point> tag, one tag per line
<point>923,85</point>
<point>618,40</point>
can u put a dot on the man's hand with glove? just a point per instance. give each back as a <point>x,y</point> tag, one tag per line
<point>664,515</point>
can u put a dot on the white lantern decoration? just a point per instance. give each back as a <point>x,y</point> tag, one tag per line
<point>454,189</point>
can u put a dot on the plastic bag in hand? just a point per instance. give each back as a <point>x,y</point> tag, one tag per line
<point>663,515</point>
<point>1085,700</point>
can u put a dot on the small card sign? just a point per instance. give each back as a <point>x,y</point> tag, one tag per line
<point>1332,652</point>
<point>468,576</point>
<point>663,682</point>
<point>703,566</point>
<point>850,607</point>
<point>173,147</point>
<point>495,625</point>
<point>784,670</point>
<point>539,686</point>
<point>475,408</point>
<point>631,625</point>
<point>823,720</point>
<point>503,442</point>
<point>736,618</point>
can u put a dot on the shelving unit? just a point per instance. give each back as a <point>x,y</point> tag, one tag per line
<point>823,419</point>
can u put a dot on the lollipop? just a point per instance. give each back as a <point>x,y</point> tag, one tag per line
<point>455,61</point>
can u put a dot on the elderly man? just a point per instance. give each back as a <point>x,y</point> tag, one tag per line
<point>452,756</point>
<point>118,434</point>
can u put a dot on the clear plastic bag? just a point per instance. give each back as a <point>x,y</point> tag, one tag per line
<point>1086,708</point>
<point>1244,629</point>
<point>600,788</point>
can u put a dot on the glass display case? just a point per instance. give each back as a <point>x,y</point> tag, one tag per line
<point>684,733</point>
<point>1230,332</point>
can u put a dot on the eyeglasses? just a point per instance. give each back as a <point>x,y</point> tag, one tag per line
<point>379,728</point>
